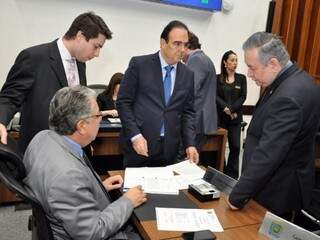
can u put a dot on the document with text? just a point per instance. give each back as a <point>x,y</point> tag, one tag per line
<point>159,180</point>
<point>187,220</point>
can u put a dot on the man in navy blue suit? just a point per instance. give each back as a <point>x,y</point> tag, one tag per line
<point>156,104</point>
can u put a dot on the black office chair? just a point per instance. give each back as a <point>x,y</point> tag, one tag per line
<point>98,88</point>
<point>12,172</point>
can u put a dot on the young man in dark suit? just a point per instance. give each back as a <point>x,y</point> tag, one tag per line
<point>278,161</point>
<point>41,70</point>
<point>156,103</point>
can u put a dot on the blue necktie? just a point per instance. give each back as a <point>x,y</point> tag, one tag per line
<point>167,90</point>
<point>167,83</point>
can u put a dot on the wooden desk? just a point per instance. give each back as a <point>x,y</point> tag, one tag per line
<point>107,143</point>
<point>241,225</point>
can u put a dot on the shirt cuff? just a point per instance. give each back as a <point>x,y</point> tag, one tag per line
<point>136,136</point>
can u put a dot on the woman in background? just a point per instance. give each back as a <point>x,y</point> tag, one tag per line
<point>107,99</point>
<point>231,94</point>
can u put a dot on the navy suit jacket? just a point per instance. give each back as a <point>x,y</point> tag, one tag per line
<point>35,77</point>
<point>278,164</point>
<point>142,108</point>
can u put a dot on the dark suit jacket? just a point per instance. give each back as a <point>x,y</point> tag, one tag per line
<point>142,108</point>
<point>31,83</point>
<point>205,82</point>
<point>231,96</point>
<point>278,163</point>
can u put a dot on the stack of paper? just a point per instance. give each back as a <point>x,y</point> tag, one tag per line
<point>161,179</point>
<point>188,173</point>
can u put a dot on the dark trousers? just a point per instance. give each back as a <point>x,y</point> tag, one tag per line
<point>232,166</point>
<point>155,159</point>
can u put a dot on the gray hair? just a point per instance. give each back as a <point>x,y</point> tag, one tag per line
<point>68,106</point>
<point>269,46</point>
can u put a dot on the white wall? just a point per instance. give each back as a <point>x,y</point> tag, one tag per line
<point>136,25</point>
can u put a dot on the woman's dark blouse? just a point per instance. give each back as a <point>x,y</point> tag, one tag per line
<point>232,96</point>
<point>105,103</point>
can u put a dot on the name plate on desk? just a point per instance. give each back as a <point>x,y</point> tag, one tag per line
<point>220,180</point>
<point>276,227</point>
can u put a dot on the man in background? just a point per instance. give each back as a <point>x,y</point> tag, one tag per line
<point>278,162</point>
<point>156,104</point>
<point>61,177</point>
<point>205,84</point>
<point>39,71</point>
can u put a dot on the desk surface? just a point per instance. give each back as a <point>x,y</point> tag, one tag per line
<point>243,224</point>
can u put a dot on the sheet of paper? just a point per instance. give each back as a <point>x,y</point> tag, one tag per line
<point>160,186</point>
<point>152,179</point>
<point>189,220</point>
<point>114,120</point>
<point>183,181</point>
<point>187,168</point>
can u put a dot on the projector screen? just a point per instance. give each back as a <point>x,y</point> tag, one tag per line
<point>208,5</point>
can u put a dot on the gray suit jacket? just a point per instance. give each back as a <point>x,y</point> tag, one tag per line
<point>205,84</point>
<point>74,202</point>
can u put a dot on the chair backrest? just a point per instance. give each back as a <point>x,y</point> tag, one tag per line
<point>12,172</point>
<point>98,88</point>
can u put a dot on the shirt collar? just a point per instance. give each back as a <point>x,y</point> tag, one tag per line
<point>289,64</point>
<point>64,52</point>
<point>164,63</point>
<point>76,146</point>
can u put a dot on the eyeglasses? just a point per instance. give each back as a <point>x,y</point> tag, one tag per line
<point>98,115</point>
<point>178,44</point>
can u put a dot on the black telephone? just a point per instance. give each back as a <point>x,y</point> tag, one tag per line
<point>200,235</point>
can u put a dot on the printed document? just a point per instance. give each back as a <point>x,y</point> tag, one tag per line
<point>159,180</point>
<point>187,220</point>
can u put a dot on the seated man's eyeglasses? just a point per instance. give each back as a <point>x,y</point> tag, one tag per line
<point>98,115</point>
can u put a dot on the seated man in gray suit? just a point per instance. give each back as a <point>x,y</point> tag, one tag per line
<point>60,176</point>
